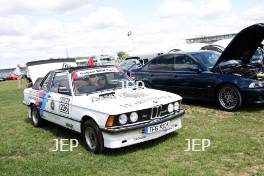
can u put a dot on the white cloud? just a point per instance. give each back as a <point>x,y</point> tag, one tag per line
<point>39,7</point>
<point>213,8</point>
<point>176,7</point>
<point>104,29</point>
<point>47,29</point>
<point>15,25</point>
<point>104,17</point>
<point>255,13</point>
<point>199,8</point>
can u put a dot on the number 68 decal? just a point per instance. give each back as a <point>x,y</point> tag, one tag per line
<point>64,105</point>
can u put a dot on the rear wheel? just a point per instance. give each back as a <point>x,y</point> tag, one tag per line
<point>36,120</point>
<point>229,98</point>
<point>93,137</point>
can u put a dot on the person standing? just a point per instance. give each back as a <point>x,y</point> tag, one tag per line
<point>18,73</point>
<point>91,62</point>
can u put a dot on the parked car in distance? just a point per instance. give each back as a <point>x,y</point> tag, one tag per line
<point>212,47</point>
<point>98,103</point>
<point>130,64</point>
<point>2,78</point>
<point>142,61</point>
<point>4,72</point>
<point>229,78</point>
<point>11,76</point>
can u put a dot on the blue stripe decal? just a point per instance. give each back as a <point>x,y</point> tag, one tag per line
<point>43,104</point>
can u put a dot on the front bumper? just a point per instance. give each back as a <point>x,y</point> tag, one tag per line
<point>253,96</point>
<point>117,138</point>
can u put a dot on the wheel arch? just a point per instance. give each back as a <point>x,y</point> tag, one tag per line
<point>86,117</point>
<point>225,83</point>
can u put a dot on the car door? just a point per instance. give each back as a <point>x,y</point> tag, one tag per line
<point>160,72</point>
<point>189,80</point>
<point>42,95</point>
<point>59,102</point>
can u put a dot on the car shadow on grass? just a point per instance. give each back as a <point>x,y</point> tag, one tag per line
<point>214,106</point>
<point>60,132</point>
<point>200,103</point>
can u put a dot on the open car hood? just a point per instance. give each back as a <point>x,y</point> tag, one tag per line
<point>37,69</point>
<point>243,45</point>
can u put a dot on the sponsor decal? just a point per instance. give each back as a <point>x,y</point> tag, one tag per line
<point>64,105</point>
<point>52,105</point>
<point>42,101</point>
<point>69,125</point>
<point>95,71</point>
<point>152,99</point>
<point>139,138</point>
<point>101,97</point>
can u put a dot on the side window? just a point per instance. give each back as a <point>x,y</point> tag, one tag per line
<point>37,83</point>
<point>163,63</point>
<point>60,80</point>
<point>45,82</point>
<point>184,63</point>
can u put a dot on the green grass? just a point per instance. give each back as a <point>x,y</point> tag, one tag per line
<point>237,145</point>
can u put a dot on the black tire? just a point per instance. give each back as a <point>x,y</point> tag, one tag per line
<point>36,120</point>
<point>93,137</point>
<point>229,98</point>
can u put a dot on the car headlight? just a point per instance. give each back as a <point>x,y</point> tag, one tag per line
<point>133,117</point>
<point>256,84</point>
<point>176,106</point>
<point>170,108</point>
<point>122,119</point>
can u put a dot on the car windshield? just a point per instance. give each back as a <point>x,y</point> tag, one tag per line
<point>208,59</point>
<point>86,83</point>
<point>257,55</point>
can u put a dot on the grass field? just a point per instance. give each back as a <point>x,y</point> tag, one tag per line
<point>237,145</point>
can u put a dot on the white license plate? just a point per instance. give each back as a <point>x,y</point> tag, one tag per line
<point>156,128</point>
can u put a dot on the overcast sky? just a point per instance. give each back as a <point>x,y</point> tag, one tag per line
<point>42,29</point>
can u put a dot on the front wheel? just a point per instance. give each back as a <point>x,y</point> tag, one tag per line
<point>93,137</point>
<point>229,98</point>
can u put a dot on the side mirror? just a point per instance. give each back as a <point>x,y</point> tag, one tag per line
<point>195,68</point>
<point>64,90</point>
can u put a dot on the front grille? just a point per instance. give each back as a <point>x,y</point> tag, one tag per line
<point>156,111</point>
<point>152,113</point>
<point>159,111</point>
<point>144,114</point>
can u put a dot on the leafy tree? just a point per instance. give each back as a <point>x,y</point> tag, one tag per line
<point>122,55</point>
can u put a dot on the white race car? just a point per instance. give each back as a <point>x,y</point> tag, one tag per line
<point>104,105</point>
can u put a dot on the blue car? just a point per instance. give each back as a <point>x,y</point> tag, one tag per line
<point>228,78</point>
